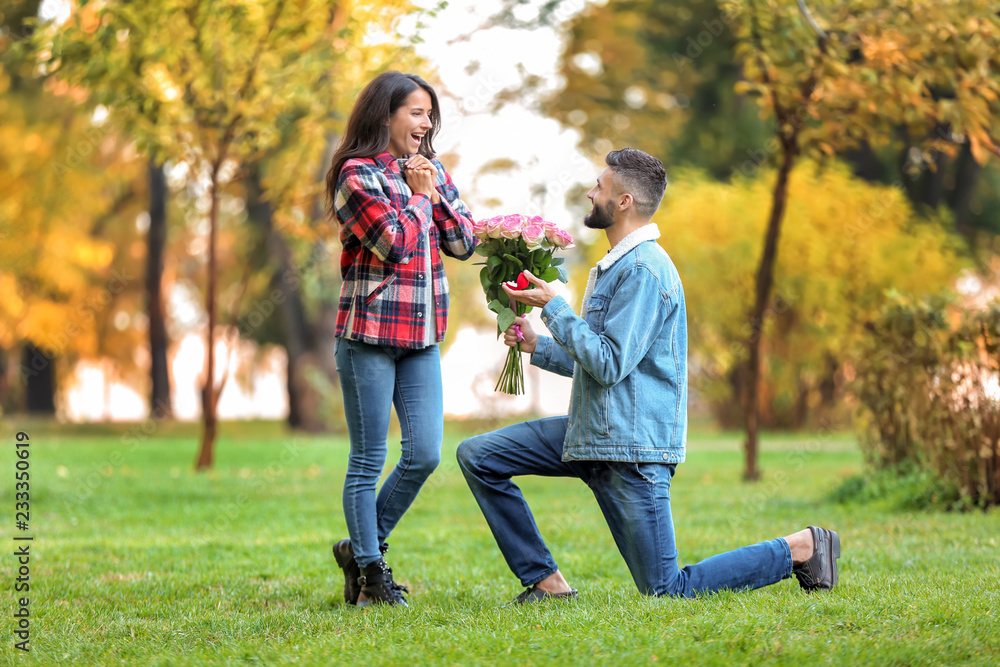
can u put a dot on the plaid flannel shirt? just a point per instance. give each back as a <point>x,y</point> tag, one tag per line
<point>391,237</point>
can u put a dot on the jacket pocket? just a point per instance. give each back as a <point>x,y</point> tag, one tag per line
<point>597,310</point>
<point>382,286</point>
<point>598,405</point>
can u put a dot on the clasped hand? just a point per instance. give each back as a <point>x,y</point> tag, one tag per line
<point>421,176</point>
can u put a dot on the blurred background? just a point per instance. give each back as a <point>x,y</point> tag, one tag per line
<point>834,207</point>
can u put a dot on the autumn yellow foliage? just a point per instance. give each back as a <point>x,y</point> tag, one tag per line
<point>54,270</point>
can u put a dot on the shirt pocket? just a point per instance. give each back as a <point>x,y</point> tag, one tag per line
<point>379,289</point>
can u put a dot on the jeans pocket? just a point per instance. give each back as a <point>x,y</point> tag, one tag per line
<point>648,476</point>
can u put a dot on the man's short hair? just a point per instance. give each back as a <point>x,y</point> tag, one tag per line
<point>640,175</point>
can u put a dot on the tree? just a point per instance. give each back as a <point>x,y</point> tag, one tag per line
<point>658,76</point>
<point>927,66</point>
<point>661,76</point>
<point>65,181</point>
<point>215,84</point>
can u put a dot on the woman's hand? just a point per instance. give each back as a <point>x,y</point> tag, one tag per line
<point>530,338</point>
<point>422,181</point>
<point>419,162</point>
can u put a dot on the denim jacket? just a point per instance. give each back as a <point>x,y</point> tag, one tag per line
<point>627,356</point>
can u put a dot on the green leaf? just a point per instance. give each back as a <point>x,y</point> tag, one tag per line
<point>493,261</point>
<point>513,259</point>
<point>484,279</point>
<point>505,318</point>
<point>497,307</point>
<point>557,261</point>
<point>550,274</point>
<point>563,276</point>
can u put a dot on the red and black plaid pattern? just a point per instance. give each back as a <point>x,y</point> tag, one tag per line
<point>388,234</point>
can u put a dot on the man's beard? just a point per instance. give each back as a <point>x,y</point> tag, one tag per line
<point>600,217</point>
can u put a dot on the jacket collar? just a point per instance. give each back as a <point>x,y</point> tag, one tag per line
<point>648,232</point>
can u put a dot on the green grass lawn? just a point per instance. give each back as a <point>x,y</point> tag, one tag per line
<point>139,560</point>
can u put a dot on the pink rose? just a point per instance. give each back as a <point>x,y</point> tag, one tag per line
<point>561,239</point>
<point>493,227</point>
<point>533,235</point>
<point>511,227</point>
<point>550,229</point>
<point>480,231</point>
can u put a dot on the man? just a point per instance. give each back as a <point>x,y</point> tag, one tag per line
<point>627,426</point>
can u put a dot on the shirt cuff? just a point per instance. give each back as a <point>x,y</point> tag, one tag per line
<point>543,352</point>
<point>422,202</point>
<point>443,210</point>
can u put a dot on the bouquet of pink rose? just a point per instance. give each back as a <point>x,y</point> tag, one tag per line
<point>512,244</point>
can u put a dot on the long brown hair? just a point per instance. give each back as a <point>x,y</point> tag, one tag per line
<point>367,133</point>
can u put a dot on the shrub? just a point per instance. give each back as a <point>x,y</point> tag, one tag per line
<point>927,382</point>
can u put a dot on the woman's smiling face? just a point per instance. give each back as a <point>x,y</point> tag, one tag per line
<point>409,124</point>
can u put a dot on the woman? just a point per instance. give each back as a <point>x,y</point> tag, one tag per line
<point>397,207</point>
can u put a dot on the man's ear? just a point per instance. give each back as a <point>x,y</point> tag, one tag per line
<point>625,202</point>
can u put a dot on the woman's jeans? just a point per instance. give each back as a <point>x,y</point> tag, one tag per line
<point>373,379</point>
<point>635,499</point>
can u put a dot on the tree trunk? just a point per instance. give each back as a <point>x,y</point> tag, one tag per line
<point>932,181</point>
<point>290,309</point>
<point>800,413</point>
<point>209,401</point>
<point>864,162</point>
<point>326,322</point>
<point>828,385</point>
<point>160,406</point>
<point>38,375</point>
<point>765,279</point>
<point>966,175</point>
<point>4,382</point>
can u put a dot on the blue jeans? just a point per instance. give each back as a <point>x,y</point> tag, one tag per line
<point>373,380</point>
<point>635,499</point>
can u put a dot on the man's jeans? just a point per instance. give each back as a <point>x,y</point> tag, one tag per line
<point>373,379</point>
<point>635,499</point>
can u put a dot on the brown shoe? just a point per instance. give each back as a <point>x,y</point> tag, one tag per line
<point>344,555</point>
<point>819,573</point>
